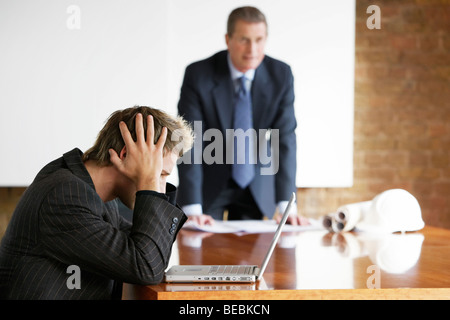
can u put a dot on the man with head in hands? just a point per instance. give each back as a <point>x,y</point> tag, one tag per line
<point>67,221</point>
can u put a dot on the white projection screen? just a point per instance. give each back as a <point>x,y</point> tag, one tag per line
<point>65,66</point>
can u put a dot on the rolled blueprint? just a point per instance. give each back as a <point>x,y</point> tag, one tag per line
<point>329,222</point>
<point>349,215</point>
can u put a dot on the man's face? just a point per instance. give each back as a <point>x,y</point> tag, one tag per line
<point>128,192</point>
<point>169,161</point>
<point>246,44</point>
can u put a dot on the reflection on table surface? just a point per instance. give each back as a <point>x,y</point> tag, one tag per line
<point>322,260</point>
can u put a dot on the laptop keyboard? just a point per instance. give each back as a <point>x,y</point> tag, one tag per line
<point>220,270</point>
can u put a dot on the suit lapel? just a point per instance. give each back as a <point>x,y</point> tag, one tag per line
<point>223,94</point>
<point>259,95</point>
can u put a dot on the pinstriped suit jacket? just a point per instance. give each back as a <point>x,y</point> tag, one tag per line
<point>61,221</point>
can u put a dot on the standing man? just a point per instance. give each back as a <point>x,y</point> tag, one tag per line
<point>240,88</point>
<point>67,221</point>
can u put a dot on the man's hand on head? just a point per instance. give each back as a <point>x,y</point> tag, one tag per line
<point>141,160</point>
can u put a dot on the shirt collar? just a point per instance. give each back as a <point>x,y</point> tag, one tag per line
<point>76,166</point>
<point>236,74</point>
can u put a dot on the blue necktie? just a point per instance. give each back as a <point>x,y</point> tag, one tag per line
<point>243,169</point>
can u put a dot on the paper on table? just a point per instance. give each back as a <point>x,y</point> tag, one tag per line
<point>249,226</point>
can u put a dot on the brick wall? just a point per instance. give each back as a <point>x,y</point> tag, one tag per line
<point>8,200</point>
<point>402,110</point>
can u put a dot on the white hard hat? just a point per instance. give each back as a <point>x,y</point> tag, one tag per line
<point>391,211</point>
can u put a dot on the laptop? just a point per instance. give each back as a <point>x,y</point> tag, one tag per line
<point>227,273</point>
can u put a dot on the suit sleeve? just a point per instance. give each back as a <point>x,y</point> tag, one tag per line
<point>286,123</point>
<point>190,168</point>
<point>73,230</point>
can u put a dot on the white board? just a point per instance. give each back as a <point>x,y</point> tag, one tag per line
<point>65,66</point>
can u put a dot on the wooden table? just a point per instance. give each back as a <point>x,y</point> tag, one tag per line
<point>315,265</point>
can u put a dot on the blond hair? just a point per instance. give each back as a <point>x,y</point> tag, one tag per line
<point>179,133</point>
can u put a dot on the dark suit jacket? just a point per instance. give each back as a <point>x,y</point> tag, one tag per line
<point>207,95</point>
<point>61,221</point>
